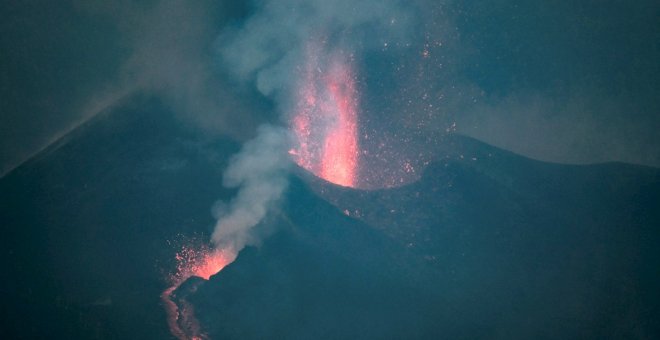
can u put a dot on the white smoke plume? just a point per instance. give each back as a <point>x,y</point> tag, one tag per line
<point>260,171</point>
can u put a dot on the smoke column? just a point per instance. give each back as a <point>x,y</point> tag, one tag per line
<point>313,83</point>
<point>259,171</point>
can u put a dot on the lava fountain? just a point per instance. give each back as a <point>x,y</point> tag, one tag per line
<point>201,261</point>
<point>325,120</point>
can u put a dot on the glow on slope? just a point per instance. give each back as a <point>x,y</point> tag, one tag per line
<point>201,261</point>
<point>325,121</point>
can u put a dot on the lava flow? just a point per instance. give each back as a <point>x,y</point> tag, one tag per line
<point>325,121</point>
<point>203,262</point>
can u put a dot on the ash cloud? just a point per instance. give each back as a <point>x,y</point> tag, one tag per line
<point>170,56</point>
<point>585,93</point>
<point>268,48</point>
<point>496,60</point>
<point>69,61</point>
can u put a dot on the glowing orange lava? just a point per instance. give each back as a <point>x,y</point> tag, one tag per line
<point>202,261</point>
<point>325,122</point>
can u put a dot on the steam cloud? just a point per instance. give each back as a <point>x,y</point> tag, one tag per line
<point>259,169</point>
<point>267,51</point>
<point>268,48</point>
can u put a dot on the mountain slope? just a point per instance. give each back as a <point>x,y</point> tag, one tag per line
<point>87,223</point>
<point>486,245</point>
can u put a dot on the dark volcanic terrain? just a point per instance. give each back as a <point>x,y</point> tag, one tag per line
<point>487,244</point>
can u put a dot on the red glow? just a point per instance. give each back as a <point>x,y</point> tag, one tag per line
<point>201,261</point>
<point>325,122</point>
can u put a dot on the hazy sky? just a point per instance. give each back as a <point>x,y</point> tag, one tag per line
<point>560,81</point>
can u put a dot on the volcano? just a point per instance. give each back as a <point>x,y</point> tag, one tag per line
<point>92,224</point>
<point>487,244</point>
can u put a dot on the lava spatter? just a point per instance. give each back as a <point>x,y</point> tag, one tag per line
<point>199,260</point>
<point>325,122</point>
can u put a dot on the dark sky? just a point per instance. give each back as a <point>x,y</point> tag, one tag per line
<point>574,82</point>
